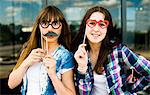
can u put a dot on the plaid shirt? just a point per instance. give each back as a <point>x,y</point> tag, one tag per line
<point>120,59</point>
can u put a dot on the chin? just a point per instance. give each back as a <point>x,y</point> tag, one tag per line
<point>95,42</point>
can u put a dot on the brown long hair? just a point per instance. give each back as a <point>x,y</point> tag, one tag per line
<point>107,43</point>
<point>34,40</point>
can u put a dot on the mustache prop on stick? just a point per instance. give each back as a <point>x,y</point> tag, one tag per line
<point>50,34</point>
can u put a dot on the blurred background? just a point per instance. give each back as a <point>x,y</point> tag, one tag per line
<point>131,20</point>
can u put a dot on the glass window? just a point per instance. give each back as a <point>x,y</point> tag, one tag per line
<point>138,26</point>
<point>74,10</point>
<point>17,17</point>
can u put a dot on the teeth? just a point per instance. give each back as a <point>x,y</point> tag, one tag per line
<point>95,34</point>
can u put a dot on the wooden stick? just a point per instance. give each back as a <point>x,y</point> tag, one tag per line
<point>46,45</point>
<point>42,41</point>
<point>84,37</point>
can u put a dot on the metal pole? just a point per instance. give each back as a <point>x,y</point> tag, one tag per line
<point>44,3</point>
<point>123,20</point>
<point>13,31</point>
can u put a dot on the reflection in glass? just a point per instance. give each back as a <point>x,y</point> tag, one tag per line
<point>138,26</point>
<point>17,17</point>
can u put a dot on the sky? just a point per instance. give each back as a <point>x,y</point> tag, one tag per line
<point>25,11</point>
<point>20,11</point>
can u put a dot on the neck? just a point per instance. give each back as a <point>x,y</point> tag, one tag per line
<point>94,52</point>
<point>95,47</point>
<point>51,46</point>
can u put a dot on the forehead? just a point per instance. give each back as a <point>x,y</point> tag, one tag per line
<point>49,17</point>
<point>97,16</point>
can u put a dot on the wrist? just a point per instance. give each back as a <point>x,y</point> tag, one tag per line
<point>52,74</point>
<point>25,64</point>
<point>82,70</point>
<point>53,77</point>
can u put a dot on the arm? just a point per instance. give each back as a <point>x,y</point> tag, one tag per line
<point>141,66</point>
<point>84,82</point>
<point>16,76</point>
<point>84,74</point>
<point>66,86</point>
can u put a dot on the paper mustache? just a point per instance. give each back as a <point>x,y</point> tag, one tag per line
<point>50,34</point>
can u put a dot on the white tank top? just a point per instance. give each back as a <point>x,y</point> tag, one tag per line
<point>33,75</point>
<point>100,85</point>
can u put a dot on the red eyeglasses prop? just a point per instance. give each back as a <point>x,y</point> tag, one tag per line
<point>102,23</point>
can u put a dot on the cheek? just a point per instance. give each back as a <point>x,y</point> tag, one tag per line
<point>59,30</point>
<point>43,31</point>
<point>88,34</point>
<point>87,30</point>
<point>104,31</point>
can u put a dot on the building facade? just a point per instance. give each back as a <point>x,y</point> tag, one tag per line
<point>131,19</point>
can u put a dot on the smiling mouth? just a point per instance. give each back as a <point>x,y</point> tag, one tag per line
<point>95,34</point>
<point>51,34</point>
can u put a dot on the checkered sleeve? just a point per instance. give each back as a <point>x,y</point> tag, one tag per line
<point>140,64</point>
<point>84,82</point>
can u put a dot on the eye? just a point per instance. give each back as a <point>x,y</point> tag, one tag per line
<point>92,23</point>
<point>44,23</point>
<point>102,24</point>
<point>55,23</point>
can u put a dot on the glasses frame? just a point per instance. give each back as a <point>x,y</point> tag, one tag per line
<point>51,24</point>
<point>100,21</point>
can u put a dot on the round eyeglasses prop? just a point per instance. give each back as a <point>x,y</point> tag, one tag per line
<point>54,24</point>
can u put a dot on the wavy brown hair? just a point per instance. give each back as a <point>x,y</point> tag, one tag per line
<point>107,43</point>
<point>46,13</point>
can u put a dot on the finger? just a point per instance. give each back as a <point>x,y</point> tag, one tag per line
<point>78,53</point>
<point>49,56</point>
<point>38,55</point>
<point>81,54</point>
<point>38,58</point>
<point>38,51</point>
<point>83,51</point>
<point>46,65</point>
<point>49,61</point>
<point>82,46</point>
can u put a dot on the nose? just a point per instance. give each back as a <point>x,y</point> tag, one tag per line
<point>96,27</point>
<point>49,27</point>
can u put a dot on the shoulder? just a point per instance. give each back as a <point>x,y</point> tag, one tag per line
<point>120,49</point>
<point>119,46</point>
<point>64,52</point>
<point>66,58</point>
